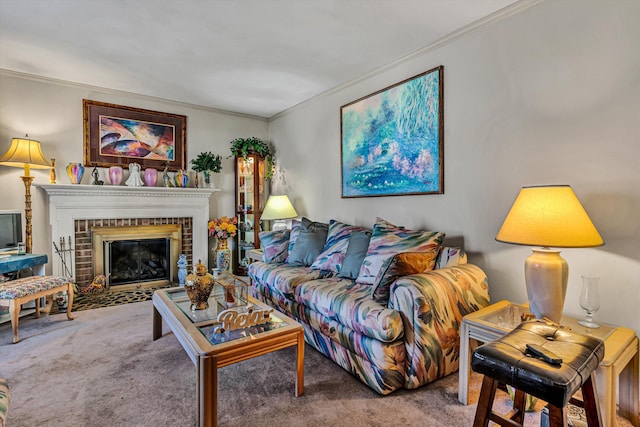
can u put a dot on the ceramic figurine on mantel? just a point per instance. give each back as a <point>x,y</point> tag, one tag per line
<point>165,176</point>
<point>96,176</point>
<point>134,179</point>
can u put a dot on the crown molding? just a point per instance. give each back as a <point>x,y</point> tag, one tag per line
<point>506,12</point>
<point>117,92</point>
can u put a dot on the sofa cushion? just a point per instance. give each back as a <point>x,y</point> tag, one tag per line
<point>387,241</point>
<point>283,278</point>
<point>275,245</point>
<point>350,304</point>
<point>356,251</point>
<point>402,264</point>
<point>335,248</point>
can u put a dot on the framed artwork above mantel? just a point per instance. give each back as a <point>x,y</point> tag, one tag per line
<point>116,135</point>
<point>392,141</point>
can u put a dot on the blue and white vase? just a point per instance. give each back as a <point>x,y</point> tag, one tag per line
<point>222,255</point>
<point>182,269</point>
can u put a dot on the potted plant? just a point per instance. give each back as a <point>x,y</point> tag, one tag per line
<point>242,147</point>
<point>207,162</point>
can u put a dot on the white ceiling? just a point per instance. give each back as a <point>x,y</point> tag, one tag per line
<point>257,57</point>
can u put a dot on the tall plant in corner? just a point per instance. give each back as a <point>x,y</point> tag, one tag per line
<point>206,163</point>
<point>242,147</point>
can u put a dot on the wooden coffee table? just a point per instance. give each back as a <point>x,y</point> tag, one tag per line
<point>208,350</point>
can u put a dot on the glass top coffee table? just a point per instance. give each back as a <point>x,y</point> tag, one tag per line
<point>211,347</point>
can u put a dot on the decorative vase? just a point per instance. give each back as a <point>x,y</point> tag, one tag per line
<point>182,178</point>
<point>115,175</point>
<point>182,269</point>
<point>150,177</point>
<point>222,254</point>
<point>75,172</point>
<point>198,286</point>
<point>207,179</point>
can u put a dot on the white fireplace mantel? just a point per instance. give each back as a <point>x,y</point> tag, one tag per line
<point>68,202</point>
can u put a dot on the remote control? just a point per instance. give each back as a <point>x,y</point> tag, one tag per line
<point>546,355</point>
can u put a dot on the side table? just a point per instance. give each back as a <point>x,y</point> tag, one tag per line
<point>254,255</point>
<point>620,363</point>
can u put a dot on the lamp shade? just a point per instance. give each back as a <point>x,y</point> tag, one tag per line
<point>27,153</point>
<point>549,216</point>
<point>278,207</point>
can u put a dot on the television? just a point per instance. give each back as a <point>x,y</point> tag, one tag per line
<point>10,230</point>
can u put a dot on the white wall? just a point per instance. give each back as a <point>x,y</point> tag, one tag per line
<point>51,112</point>
<point>550,95</point>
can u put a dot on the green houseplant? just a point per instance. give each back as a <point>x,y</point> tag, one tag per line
<point>207,162</point>
<point>242,147</point>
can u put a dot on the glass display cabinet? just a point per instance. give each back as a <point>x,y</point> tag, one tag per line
<point>250,200</point>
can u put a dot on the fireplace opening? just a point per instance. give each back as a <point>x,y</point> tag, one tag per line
<point>136,255</point>
<point>135,261</point>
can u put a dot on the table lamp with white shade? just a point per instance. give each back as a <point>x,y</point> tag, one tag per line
<point>277,209</point>
<point>26,153</point>
<point>548,216</point>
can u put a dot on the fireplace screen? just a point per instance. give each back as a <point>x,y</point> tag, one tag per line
<point>133,261</point>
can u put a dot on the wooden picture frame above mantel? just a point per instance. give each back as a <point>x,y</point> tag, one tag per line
<point>116,135</point>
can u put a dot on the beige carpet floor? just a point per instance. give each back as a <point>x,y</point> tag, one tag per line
<point>103,369</point>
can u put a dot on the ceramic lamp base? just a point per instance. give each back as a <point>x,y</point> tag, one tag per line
<point>546,274</point>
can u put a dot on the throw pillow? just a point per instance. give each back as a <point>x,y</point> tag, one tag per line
<point>356,251</point>
<point>449,257</point>
<point>309,243</point>
<point>293,235</point>
<point>402,264</point>
<point>386,242</point>
<point>335,247</point>
<point>275,245</point>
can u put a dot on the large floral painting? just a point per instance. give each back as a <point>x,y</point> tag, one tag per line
<point>117,135</point>
<point>392,140</point>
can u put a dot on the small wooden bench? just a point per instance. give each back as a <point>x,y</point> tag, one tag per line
<point>20,291</point>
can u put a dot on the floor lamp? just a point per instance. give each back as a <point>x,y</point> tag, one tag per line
<point>548,216</point>
<point>26,153</point>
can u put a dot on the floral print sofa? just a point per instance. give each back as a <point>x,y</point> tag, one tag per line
<point>395,324</point>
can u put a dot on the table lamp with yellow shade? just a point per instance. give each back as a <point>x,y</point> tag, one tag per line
<point>26,153</point>
<point>277,209</point>
<point>548,216</point>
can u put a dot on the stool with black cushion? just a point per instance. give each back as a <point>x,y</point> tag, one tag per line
<point>545,360</point>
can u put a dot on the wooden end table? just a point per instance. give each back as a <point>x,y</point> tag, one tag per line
<point>620,363</point>
<point>208,350</point>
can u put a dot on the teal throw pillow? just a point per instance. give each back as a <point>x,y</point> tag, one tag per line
<point>356,251</point>
<point>309,243</point>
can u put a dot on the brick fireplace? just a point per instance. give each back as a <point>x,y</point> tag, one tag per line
<point>75,211</point>
<point>90,235</point>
